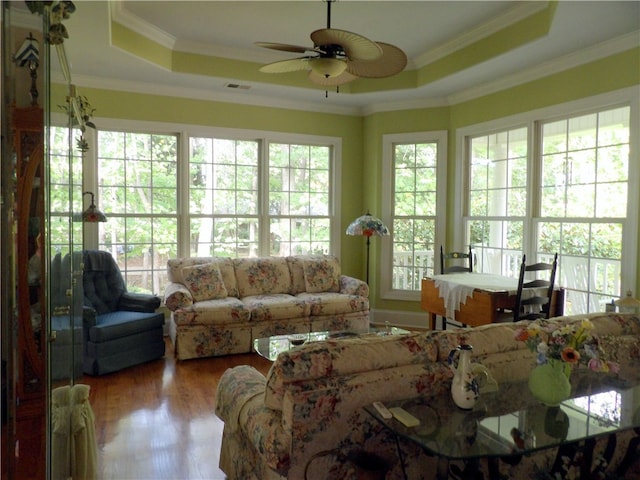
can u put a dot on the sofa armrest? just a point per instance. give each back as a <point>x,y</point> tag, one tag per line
<point>353,286</point>
<point>237,386</point>
<point>177,295</point>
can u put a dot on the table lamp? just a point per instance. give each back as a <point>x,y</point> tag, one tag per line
<point>628,304</point>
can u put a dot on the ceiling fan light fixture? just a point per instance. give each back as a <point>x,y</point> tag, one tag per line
<point>328,67</point>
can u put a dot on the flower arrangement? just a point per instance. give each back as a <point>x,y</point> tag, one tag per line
<point>571,343</point>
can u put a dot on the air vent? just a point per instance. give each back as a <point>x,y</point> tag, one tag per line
<point>237,86</point>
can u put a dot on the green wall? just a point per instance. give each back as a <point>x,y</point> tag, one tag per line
<point>362,136</point>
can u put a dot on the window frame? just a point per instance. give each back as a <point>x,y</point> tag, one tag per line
<point>533,120</point>
<point>440,137</point>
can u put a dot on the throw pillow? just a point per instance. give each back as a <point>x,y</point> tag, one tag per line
<point>321,274</point>
<point>204,281</point>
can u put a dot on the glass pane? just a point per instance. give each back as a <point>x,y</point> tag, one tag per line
<point>137,174</point>
<point>582,132</point>
<point>613,163</point>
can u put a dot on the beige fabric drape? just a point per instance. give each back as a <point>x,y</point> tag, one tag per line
<point>73,436</point>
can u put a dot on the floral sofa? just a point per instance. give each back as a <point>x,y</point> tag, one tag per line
<point>306,417</point>
<point>219,305</point>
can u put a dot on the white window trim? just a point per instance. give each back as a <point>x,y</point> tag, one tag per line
<point>386,264</point>
<point>184,131</point>
<point>630,96</point>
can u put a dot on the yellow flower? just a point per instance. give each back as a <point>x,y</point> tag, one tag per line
<point>564,330</point>
<point>586,324</point>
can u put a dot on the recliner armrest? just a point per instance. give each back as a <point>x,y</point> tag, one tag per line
<point>138,302</point>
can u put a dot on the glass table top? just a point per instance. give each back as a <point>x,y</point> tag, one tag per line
<point>271,347</point>
<point>512,422</point>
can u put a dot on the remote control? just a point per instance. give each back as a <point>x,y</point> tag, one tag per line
<point>382,410</point>
<point>404,417</point>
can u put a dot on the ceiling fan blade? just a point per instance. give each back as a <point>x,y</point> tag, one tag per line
<point>355,46</point>
<point>344,77</point>
<point>283,47</point>
<point>285,66</point>
<point>392,61</point>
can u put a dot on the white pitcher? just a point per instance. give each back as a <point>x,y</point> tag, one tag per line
<point>465,388</point>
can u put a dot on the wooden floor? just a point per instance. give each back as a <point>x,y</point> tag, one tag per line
<point>156,421</point>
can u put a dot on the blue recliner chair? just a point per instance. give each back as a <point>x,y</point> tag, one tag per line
<point>66,322</point>
<point>124,328</point>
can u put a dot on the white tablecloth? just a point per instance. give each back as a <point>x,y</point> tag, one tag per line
<point>455,288</point>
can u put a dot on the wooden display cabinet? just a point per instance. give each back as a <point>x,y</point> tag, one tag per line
<point>30,378</point>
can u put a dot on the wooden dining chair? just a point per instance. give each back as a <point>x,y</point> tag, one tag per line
<point>446,259</point>
<point>537,306</point>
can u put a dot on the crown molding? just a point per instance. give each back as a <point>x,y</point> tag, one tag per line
<point>127,19</point>
<point>242,97</point>
<point>566,62</point>
<point>520,12</point>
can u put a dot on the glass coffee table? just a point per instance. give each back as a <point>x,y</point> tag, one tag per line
<point>510,424</point>
<point>271,347</point>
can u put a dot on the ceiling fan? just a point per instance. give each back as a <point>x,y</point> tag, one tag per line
<point>338,57</point>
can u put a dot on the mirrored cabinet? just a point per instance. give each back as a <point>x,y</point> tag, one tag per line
<point>41,275</point>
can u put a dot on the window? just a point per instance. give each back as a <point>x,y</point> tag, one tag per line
<point>226,188</point>
<point>64,184</point>
<point>585,166</point>
<point>569,194</point>
<point>223,197</point>
<point>498,200</point>
<point>415,195</point>
<point>137,175</point>
<point>299,199</point>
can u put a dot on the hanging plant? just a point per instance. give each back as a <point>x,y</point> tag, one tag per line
<point>85,112</point>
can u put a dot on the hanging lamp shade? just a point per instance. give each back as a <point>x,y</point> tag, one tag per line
<point>92,214</point>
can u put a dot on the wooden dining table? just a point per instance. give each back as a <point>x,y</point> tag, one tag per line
<point>474,299</point>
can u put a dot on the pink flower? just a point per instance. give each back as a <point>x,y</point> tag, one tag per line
<point>614,367</point>
<point>596,365</point>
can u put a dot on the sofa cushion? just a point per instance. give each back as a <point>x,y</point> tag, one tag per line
<point>275,307</point>
<point>329,303</point>
<point>486,339</point>
<point>213,312</point>
<point>204,281</point>
<point>345,356</point>
<point>297,273</point>
<point>296,267</point>
<point>175,266</point>
<point>321,274</point>
<point>261,276</point>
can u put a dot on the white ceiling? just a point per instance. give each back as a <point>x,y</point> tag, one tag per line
<point>425,30</point>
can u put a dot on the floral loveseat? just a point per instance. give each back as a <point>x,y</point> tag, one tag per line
<point>296,422</point>
<point>219,305</point>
